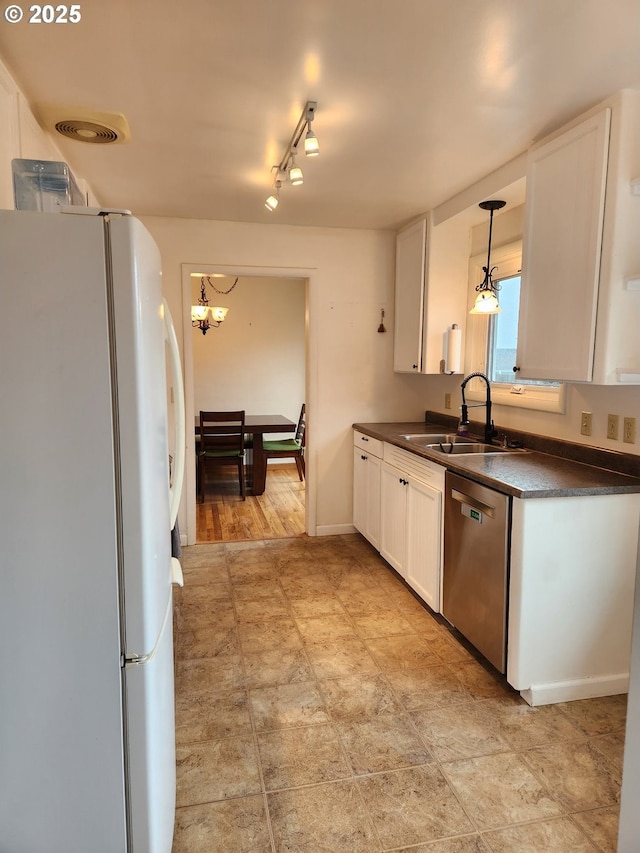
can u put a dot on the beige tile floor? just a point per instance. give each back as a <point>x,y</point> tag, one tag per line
<point>320,708</point>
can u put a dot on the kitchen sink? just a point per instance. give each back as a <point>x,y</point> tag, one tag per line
<point>466,447</point>
<point>435,438</point>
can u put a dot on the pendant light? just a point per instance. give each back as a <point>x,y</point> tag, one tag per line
<point>487,298</point>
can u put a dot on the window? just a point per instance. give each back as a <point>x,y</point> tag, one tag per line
<point>492,341</point>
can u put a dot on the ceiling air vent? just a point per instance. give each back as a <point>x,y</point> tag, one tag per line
<point>86,131</point>
<point>85,125</point>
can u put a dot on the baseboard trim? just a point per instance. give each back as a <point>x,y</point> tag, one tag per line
<point>334,529</point>
<point>569,691</point>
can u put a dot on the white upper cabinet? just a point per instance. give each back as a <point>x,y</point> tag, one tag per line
<point>411,260</point>
<point>580,309</point>
<point>431,293</point>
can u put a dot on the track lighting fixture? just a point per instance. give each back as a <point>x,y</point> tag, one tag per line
<point>287,170</point>
<point>274,199</point>
<point>487,298</point>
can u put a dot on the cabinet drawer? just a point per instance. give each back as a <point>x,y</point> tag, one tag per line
<point>422,469</point>
<point>371,445</point>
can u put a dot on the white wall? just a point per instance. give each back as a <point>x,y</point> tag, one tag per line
<point>256,359</point>
<point>351,275</point>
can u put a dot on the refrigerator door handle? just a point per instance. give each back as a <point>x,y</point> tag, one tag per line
<point>175,489</point>
<point>134,659</point>
<point>177,577</point>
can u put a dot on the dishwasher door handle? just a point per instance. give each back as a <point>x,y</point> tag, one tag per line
<point>473,504</point>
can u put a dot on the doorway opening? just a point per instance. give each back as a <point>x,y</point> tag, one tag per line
<point>256,360</point>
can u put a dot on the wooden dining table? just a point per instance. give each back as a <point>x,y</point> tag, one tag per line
<point>257,426</point>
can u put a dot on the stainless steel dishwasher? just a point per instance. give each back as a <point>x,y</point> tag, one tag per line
<point>476,565</point>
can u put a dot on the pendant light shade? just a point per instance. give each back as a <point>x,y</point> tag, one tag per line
<point>487,298</point>
<point>486,303</point>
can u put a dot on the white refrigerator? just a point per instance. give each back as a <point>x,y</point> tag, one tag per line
<point>87,740</point>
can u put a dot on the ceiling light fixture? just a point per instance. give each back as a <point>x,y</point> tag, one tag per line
<point>295,172</point>
<point>274,200</point>
<point>286,170</point>
<point>205,316</point>
<point>487,298</point>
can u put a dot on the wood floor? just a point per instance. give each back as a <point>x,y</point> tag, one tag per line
<point>279,512</point>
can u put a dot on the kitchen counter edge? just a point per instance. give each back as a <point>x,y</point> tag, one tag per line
<point>520,473</point>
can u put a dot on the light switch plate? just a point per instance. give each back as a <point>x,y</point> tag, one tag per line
<point>585,423</point>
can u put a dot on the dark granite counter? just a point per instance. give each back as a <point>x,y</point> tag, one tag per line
<point>521,473</point>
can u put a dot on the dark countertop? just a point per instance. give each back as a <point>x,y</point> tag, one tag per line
<point>521,473</point>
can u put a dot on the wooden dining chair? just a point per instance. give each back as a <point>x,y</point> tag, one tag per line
<point>290,448</point>
<point>221,444</point>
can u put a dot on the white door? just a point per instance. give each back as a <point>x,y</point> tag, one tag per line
<point>409,297</point>
<point>149,692</point>
<point>60,674</point>
<point>564,213</point>
<point>143,435</point>
<point>393,509</point>
<point>366,495</point>
<point>424,514</point>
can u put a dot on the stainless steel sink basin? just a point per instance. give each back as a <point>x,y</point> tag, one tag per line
<point>467,447</point>
<point>434,438</point>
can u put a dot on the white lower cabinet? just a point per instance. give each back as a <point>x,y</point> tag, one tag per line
<point>573,572</point>
<point>367,461</point>
<point>411,520</point>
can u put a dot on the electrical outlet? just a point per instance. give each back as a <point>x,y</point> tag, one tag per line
<point>585,423</point>
<point>629,430</point>
<point>612,427</point>
<point>447,401</point>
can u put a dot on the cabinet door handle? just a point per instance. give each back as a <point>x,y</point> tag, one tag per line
<point>364,438</point>
<point>515,368</point>
<point>364,458</point>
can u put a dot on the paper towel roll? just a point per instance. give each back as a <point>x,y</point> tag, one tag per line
<point>454,349</point>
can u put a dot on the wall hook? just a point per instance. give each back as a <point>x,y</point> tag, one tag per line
<point>381,327</point>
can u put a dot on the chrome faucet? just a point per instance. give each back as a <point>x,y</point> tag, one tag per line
<point>489,431</point>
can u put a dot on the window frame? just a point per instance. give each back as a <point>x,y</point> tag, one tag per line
<point>545,398</point>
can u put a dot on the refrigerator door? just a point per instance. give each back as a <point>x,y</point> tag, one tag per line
<point>61,742</point>
<point>151,758</point>
<point>142,440</point>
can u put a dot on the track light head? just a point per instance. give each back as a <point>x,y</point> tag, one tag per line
<point>295,172</point>
<point>274,199</point>
<point>311,145</point>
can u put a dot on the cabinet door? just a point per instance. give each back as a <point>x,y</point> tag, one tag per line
<point>411,246</point>
<point>564,215</point>
<point>393,512</point>
<point>366,495</point>
<point>424,548</point>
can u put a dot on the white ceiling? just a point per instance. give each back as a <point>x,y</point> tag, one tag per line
<point>417,99</point>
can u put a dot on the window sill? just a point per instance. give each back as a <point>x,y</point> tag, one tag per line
<point>528,397</point>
